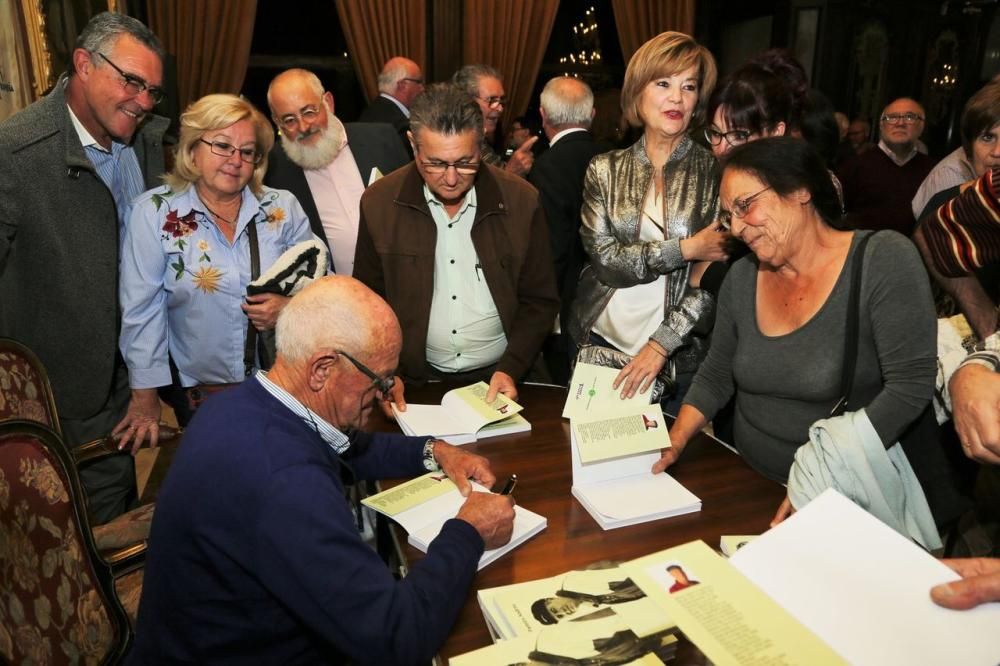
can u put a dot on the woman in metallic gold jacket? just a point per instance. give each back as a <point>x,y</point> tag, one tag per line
<point>648,212</point>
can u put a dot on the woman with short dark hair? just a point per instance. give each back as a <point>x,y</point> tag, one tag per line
<point>779,339</point>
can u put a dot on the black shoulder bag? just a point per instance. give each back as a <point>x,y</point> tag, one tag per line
<point>938,467</point>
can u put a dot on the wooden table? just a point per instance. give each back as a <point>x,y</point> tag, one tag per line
<point>735,500</point>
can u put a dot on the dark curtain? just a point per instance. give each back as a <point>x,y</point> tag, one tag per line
<point>210,40</point>
<point>510,35</point>
<point>640,20</point>
<point>377,30</point>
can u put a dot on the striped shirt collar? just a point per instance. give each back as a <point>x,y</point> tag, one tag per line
<point>86,138</point>
<point>337,440</point>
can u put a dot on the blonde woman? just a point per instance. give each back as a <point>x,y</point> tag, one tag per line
<point>186,258</point>
<point>648,212</point>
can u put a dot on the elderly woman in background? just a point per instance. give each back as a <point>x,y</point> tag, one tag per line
<point>779,338</point>
<point>186,258</point>
<point>648,212</point>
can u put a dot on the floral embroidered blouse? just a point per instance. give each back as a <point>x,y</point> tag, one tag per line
<point>182,283</point>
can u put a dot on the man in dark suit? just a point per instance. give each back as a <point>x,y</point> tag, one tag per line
<point>567,108</point>
<point>399,83</point>
<point>69,166</point>
<point>327,165</point>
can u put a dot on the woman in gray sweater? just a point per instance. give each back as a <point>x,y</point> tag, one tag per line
<point>778,342</point>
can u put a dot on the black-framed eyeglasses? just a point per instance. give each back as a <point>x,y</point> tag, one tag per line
<point>290,121</point>
<point>463,168</point>
<point>493,101</point>
<point>905,118</point>
<point>736,137</point>
<point>223,149</point>
<point>740,208</point>
<point>135,85</point>
<point>382,384</point>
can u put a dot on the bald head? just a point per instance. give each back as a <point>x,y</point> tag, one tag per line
<point>293,81</point>
<point>901,124</point>
<point>566,102</point>
<point>337,313</point>
<point>401,78</point>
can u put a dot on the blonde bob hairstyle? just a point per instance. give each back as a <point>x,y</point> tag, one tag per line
<point>667,54</point>
<point>216,112</point>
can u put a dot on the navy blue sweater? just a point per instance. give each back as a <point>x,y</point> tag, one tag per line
<point>255,557</point>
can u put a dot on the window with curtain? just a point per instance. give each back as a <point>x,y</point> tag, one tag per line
<point>306,34</point>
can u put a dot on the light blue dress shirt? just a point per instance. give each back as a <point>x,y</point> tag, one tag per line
<point>182,283</point>
<point>465,332</point>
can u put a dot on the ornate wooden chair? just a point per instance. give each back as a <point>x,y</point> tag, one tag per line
<point>62,601</point>
<point>25,393</point>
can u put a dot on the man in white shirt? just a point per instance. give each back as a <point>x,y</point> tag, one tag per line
<point>325,163</point>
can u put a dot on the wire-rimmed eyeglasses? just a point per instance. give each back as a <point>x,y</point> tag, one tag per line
<point>905,118</point>
<point>463,168</point>
<point>493,101</point>
<point>224,149</point>
<point>740,208</point>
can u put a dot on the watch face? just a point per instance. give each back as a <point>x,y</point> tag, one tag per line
<point>429,463</point>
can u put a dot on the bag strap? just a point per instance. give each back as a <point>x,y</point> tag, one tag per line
<point>851,330</point>
<point>250,344</point>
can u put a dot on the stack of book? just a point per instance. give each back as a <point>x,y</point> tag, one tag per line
<point>829,585</point>
<point>598,616</point>
<point>614,445</point>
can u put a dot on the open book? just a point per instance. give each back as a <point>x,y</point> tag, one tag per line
<point>829,585</point>
<point>612,456</point>
<point>423,505</point>
<point>463,415</point>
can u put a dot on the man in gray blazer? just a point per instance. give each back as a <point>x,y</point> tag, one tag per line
<point>69,165</point>
<point>325,163</point>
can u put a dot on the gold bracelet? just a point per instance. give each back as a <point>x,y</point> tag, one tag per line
<point>655,347</point>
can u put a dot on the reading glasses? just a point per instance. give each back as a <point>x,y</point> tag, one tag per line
<point>382,384</point>
<point>740,208</point>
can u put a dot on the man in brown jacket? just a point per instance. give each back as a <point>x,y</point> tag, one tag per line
<point>460,251</point>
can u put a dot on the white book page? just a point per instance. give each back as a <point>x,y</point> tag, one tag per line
<point>865,589</point>
<point>428,420</point>
<point>640,495</point>
<point>607,470</point>
<point>526,523</point>
<point>433,512</point>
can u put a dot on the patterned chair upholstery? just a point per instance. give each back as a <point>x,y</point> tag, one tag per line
<point>59,599</point>
<point>24,386</point>
<point>25,393</point>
